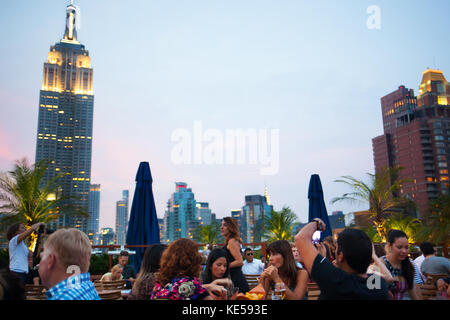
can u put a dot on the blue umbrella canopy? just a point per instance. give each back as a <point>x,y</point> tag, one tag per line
<point>317,207</point>
<point>143,228</point>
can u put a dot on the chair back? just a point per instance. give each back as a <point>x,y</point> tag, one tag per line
<point>35,292</point>
<point>252,280</point>
<point>313,291</point>
<point>114,285</point>
<point>427,291</point>
<point>432,278</point>
<point>98,285</point>
<point>110,295</point>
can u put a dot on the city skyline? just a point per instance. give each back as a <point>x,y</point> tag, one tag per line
<point>313,71</point>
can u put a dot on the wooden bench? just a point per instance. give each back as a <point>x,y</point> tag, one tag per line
<point>427,291</point>
<point>313,291</point>
<point>252,280</point>
<point>35,292</point>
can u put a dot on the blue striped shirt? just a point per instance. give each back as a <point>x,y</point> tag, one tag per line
<point>417,276</point>
<point>78,287</point>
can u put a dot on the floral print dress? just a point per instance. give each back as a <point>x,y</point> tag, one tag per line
<point>180,289</point>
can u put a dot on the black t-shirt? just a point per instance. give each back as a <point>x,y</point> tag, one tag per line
<point>336,284</point>
<point>128,272</point>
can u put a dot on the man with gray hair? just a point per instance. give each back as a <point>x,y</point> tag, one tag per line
<point>64,266</point>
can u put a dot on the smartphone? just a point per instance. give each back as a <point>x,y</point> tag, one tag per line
<point>316,237</point>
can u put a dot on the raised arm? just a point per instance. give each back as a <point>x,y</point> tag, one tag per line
<point>28,232</point>
<point>303,242</point>
<point>379,263</point>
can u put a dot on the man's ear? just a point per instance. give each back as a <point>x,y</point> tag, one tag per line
<point>340,256</point>
<point>51,261</point>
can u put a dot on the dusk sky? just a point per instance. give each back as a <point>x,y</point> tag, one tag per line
<point>311,69</point>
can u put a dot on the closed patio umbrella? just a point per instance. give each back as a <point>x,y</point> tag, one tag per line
<point>317,207</point>
<point>143,228</point>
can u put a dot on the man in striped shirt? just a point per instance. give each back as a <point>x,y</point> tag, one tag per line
<point>64,266</point>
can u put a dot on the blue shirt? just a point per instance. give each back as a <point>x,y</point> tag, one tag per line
<point>417,274</point>
<point>78,287</point>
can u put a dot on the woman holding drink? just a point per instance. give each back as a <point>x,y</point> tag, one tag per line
<point>282,276</point>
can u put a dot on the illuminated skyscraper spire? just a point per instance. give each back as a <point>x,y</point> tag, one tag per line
<point>266,195</point>
<point>70,33</point>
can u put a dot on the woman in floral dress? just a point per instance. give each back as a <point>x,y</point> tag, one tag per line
<point>178,277</point>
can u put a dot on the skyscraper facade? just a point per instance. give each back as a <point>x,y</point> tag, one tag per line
<point>254,211</point>
<point>416,137</point>
<point>122,219</point>
<point>204,213</point>
<point>94,213</point>
<point>64,135</point>
<point>107,236</point>
<point>180,218</point>
<point>238,215</point>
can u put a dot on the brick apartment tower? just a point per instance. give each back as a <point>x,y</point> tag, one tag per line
<point>417,138</point>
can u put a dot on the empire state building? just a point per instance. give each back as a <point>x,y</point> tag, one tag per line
<point>64,135</point>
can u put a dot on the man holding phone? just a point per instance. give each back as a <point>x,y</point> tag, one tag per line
<point>348,279</point>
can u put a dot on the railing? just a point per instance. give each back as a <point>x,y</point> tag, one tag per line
<point>112,247</point>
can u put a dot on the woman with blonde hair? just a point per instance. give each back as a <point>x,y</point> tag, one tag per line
<point>114,275</point>
<point>230,231</point>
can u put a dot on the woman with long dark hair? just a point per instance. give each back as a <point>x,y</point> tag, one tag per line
<point>282,270</point>
<point>217,266</point>
<point>230,231</point>
<point>145,280</point>
<point>216,277</point>
<point>398,263</point>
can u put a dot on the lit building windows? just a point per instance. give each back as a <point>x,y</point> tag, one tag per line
<point>442,100</point>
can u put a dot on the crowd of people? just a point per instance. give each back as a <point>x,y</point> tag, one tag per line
<point>352,267</point>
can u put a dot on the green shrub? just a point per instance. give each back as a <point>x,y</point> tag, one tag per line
<point>4,258</point>
<point>99,264</point>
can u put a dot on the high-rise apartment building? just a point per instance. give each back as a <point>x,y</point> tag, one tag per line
<point>416,137</point>
<point>64,134</point>
<point>180,218</point>
<point>122,219</point>
<point>107,236</point>
<point>204,213</point>
<point>94,213</point>
<point>238,215</point>
<point>254,211</point>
